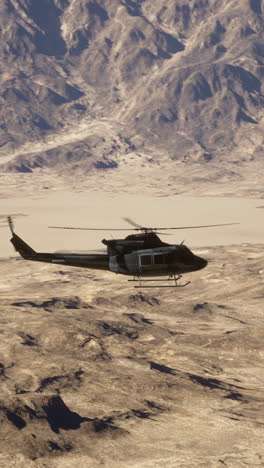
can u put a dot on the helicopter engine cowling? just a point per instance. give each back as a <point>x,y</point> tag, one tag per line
<point>122,246</point>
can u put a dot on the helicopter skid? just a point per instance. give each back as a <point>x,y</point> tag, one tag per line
<point>175,279</point>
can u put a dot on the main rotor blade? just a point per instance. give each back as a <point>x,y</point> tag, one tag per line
<point>162,233</point>
<point>193,227</point>
<point>142,228</point>
<point>81,252</point>
<point>91,229</point>
<point>133,223</point>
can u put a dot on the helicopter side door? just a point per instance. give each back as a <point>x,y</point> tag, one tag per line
<point>156,263</point>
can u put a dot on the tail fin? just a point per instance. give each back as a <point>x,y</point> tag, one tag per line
<point>24,249</point>
<point>20,246</point>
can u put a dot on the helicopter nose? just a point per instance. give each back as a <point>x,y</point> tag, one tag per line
<point>202,262</point>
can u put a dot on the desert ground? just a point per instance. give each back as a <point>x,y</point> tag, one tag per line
<point>151,110</point>
<point>97,373</point>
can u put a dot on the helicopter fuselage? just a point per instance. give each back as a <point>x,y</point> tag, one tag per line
<point>139,255</point>
<point>161,261</point>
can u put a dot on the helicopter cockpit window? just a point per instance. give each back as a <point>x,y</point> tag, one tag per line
<point>145,260</point>
<point>186,251</point>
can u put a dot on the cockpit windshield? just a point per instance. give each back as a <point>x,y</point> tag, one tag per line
<point>186,251</point>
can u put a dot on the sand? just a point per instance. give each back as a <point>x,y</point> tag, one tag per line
<point>96,373</point>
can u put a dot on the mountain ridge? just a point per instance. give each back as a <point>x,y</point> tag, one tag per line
<point>179,80</point>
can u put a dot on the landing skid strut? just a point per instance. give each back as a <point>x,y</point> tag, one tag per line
<point>174,278</point>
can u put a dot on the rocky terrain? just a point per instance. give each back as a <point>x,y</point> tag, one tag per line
<point>96,373</point>
<point>101,100</point>
<point>176,85</point>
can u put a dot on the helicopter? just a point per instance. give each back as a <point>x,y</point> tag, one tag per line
<point>142,255</point>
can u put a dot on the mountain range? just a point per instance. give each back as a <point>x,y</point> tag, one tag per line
<point>88,84</point>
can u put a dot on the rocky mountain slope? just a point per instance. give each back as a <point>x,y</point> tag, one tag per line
<point>90,84</point>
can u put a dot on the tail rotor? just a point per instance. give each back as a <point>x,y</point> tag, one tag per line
<point>11,224</point>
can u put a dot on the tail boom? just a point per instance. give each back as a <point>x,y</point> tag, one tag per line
<point>98,262</point>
